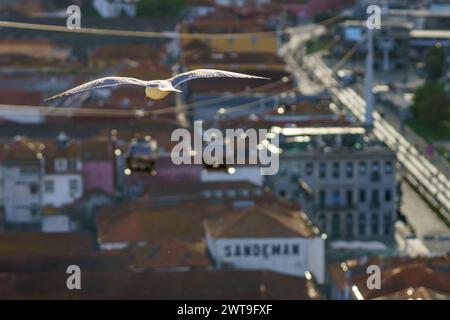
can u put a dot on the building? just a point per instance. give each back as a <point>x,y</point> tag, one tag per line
<point>345,179</point>
<point>109,55</point>
<point>122,225</point>
<point>98,165</point>
<point>391,43</point>
<point>401,278</point>
<point>63,180</point>
<point>115,8</point>
<point>239,62</point>
<point>310,9</point>
<point>266,238</point>
<point>23,170</point>
<point>199,8</point>
<point>227,20</point>
<point>237,193</point>
<point>22,7</point>
<point>348,181</point>
<point>35,49</point>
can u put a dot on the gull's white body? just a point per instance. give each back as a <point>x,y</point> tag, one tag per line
<point>156,93</point>
<point>155,89</point>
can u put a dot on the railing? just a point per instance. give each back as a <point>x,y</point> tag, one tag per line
<point>421,172</point>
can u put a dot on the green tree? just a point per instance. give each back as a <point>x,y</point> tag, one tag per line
<point>432,104</point>
<point>435,62</point>
<point>159,8</point>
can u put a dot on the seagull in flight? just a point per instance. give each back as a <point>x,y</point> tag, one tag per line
<point>155,89</point>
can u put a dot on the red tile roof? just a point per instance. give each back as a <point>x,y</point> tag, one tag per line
<point>398,274</point>
<point>21,149</point>
<point>198,285</point>
<point>232,58</point>
<point>29,244</point>
<point>261,222</point>
<point>169,254</point>
<point>141,221</point>
<point>20,97</point>
<point>137,52</point>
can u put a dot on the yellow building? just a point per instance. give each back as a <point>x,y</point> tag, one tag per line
<point>263,41</point>
<point>37,49</point>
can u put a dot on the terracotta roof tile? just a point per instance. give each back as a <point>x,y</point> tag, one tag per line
<point>198,285</point>
<point>398,274</point>
<point>260,222</point>
<point>169,253</point>
<point>38,243</point>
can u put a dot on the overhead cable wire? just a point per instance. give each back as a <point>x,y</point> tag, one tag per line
<point>153,34</point>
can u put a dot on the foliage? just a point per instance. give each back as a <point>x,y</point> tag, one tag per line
<point>435,63</point>
<point>159,8</point>
<point>432,105</point>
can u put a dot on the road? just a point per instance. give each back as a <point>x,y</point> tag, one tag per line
<point>419,215</point>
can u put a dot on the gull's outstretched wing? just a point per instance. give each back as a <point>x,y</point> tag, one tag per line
<point>208,73</point>
<point>102,83</point>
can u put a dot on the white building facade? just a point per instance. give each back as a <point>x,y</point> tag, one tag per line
<point>273,239</point>
<point>292,256</point>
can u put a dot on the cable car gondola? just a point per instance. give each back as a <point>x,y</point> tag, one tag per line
<point>142,155</point>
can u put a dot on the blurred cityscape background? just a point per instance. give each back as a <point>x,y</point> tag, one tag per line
<point>359,183</point>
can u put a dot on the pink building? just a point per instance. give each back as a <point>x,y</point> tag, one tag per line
<point>98,165</point>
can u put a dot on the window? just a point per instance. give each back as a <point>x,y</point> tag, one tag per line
<point>34,210</point>
<point>362,168</point>
<point>322,170</point>
<point>336,199</point>
<point>254,40</point>
<point>387,224</point>
<point>375,166</point>
<point>231,41</point>
<point>29,171</point>
<point>206,194</point>
<point>362,195</point>
<point>388,195</point>
<point>375,174</point>
<point>60,164</point>
<point>349,225</point>
<point>72,164</point>
<point>34,188</point>
<point>375,201</point>
<point>231,193</point>
<point>322,198</point>
<point>244,193</point>
<point>349,169</point>
<point>349,198</point>
<point>362,224</point>
<point>388,167</point>
<point>309,169</point>
<point>295,178</point>
<point>323,222</point>
<point>258,192</point>
<point>374,224</point>
<point>336,168</point>
<point>73,186</point>
<point>49,186</point>
<point>335,225</point>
